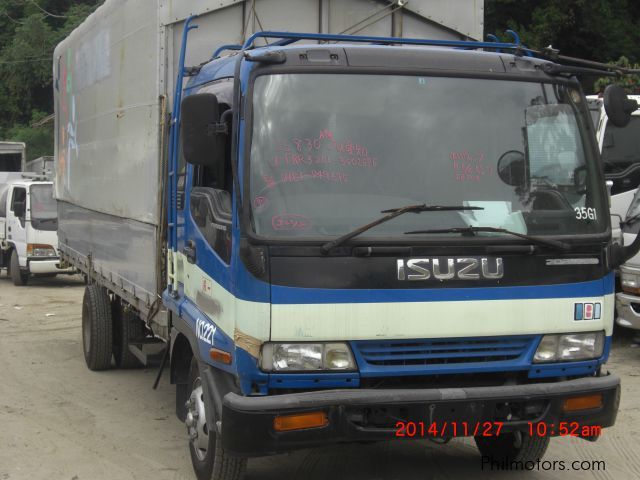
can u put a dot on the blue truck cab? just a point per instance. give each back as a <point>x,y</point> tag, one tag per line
<point>370,233</point>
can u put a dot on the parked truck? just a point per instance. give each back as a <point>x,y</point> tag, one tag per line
<point>28,228</point>
<point>12,160</point>
<point>620,153</point>
<point>628,299</point>
<point>339,238</point>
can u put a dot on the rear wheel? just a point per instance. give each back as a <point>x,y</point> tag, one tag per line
<point>20,277</point>
<point>97,328</point>
<point>513,446</point>
<point>126,325</point>
<point>210,461</point>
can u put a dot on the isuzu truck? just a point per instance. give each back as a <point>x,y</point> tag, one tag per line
<point>28,228</point>
<point>339,237</point>
<point>620,153</point>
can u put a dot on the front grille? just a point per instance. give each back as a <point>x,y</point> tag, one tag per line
<point>441,355</point>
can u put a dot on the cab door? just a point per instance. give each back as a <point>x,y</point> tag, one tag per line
<point>207,247</point>
<point>3,215</point>
<point>17,223</point>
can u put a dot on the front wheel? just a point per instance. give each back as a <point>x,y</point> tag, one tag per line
<point>209,460</point>
<point>513,447</point>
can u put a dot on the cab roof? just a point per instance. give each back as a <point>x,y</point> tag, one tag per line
<point>382,58</point>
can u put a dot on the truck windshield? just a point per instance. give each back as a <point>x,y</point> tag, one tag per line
<point>330,152</point>
<point>43,205</point>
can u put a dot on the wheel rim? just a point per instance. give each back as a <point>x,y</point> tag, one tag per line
<point>196,421</point>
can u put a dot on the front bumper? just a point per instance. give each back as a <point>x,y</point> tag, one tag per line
<point>47,266</point>
<point>628,310</point>
<point>371,415</point>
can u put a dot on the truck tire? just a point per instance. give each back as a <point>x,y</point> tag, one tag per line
<point>20,277</point>
<point>126,325</point>
<point>209,460</point>
<point>97,328</point>
<point>513,446</point>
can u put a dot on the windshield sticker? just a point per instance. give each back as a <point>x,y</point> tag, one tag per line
<point>290,221</point>
<point>469,167</point>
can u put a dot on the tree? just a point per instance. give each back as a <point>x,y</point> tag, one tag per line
<point>601,30</point>
<point>29,32</point>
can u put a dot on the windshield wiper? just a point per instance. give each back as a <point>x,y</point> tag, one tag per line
<point>558,245</point>
<point>391,214</point>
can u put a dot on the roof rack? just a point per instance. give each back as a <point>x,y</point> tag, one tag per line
<point>45,176</point>
<point>287,38</point>
<point>568,65</point>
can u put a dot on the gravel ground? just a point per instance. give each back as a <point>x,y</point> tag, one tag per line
<point>58,420</point>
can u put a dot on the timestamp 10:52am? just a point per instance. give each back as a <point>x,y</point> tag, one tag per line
<point>563,429</point>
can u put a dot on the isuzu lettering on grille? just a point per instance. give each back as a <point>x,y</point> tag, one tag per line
<point>463,268</point>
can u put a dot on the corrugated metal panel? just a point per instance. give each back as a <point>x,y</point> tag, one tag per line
<point>463,16</point>
<point>232,21</point>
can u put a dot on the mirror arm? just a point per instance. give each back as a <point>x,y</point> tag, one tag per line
<point>226,116</point>
<point>619,254</point>
<point>222,126</point>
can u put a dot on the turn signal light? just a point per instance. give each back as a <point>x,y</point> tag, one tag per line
<point>300,421</point>
<point>220,356</point>
<point>582,403</point>
<point>633,290</point>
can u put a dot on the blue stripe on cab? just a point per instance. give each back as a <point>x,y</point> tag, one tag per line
<point>291,295</point>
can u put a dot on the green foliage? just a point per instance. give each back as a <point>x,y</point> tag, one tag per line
<point>631,83</point>
<point>39,140</point>
<point>29,32</point>
<point>600,30</point>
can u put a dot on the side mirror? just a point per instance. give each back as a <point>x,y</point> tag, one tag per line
<point>618,106</point>
<point>202,136</point>
<point>511,168</point>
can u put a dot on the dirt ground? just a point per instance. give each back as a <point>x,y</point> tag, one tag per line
<point>58,420</point>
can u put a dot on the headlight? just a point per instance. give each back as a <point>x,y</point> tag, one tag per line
<point>569,347</point>
<point>280,357</point>
<point>38,250</point>
<point>630,282</point>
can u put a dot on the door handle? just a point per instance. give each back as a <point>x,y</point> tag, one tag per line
<point>190,251</point>
<point>8,229</point>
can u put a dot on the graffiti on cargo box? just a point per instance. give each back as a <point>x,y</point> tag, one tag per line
<point>67,144</point>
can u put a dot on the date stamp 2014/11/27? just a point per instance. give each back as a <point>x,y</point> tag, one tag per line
<point>446,429</point>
